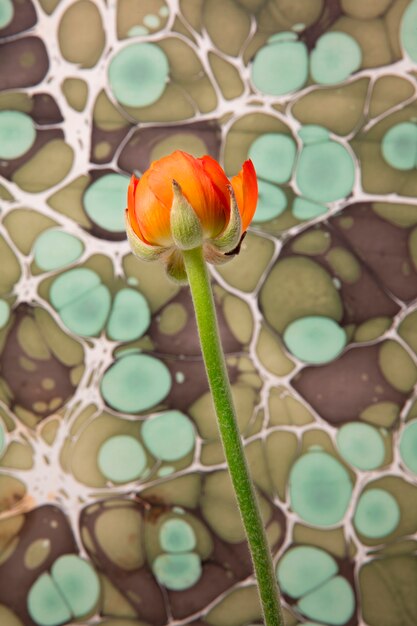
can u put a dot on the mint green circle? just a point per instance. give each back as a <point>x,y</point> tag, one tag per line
<point>176,536</point>
<point>78,583</point>
<point>169,436</point>
<point>6,13</point>
<point>335,57</point>
<point>325,172</point>
<point>320,489</point>
<point>17,134</point>
<point>121,458</point>
<point>87,315</point>
<point>46,606</point>
<point>331,603</point>
<point>55,249</point>
<point>408,446</point>
<point>399,146</point>
<point>177,572</point>
<point>129,317</point>
<point>135,383</point>
<point>105,202</point>
<point>4,313</point>
<point>361,445</point>
<point>408,30</point>
<point>272,201</point>
<point>304,568</point>
<point>71,285</point>
<point>138,74</point>
<point>2,439</point>
<point>273,156</point>
<point>280,67</point>
<point>377,514</point>
<point>313,133</point>
<point>315,339</point>
<point>304,209</point>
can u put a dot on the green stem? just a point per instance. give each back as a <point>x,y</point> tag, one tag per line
<point>220,389</point>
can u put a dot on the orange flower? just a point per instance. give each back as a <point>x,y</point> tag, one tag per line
<point>182,202</point>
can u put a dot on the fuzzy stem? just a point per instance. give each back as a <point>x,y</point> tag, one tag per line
<point>214,360</point>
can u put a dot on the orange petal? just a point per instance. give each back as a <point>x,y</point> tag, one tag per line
<point>152,216</point>
<point>245,186</point>
<point>219,179</point>
<point>195,184</point>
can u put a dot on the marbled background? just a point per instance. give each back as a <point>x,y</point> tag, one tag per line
<point>115,504</point>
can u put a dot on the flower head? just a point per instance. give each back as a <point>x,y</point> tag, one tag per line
<point>182,202</point>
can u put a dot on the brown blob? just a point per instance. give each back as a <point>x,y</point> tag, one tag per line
<point>46,522</point>
<point>24,17</point>
<point>382,248</point>
<point>136,155</point>
<point>339,391</point>
<point>15,72</point>
<point>26,387</point>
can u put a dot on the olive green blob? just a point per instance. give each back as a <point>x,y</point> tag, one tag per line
<point>408,446</point>
<point>17,132</point>
<point>315,339</point>
<point>55,249</point>
<point>304,209</point>
<point>138,74</point>
<point>325,172</point>
<point>332,603</point>
<point>169,436</point>
<point>4,313</point>
<point>46,605</point>
<point>377,514</point>
<point>397,366</point>
<point>273,156</point>
<point>135,383</point>
<point>361,445</point>
<point>121,458</point>
<point>129,317</point>
<point>177,572</point>
<point>105,202</point>
<point>6,13</point>
<point>320,489</point>
<point>272,201</point>
<point>280,67</point>
<point>299,287</point>
<point>408,30</point>
<point>399,146</point>
<point>335,57</point>
<point>304,568</point>
<point>177,536</point>
<point>83,303</point>
<point>78,583</point>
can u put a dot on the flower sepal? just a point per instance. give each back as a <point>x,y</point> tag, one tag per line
<point>186,229</point>
<point>229,239</point>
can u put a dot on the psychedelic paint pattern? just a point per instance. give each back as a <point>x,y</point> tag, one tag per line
<point>115,504</point>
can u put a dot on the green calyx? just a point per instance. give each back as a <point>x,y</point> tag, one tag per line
<point>185,226</point>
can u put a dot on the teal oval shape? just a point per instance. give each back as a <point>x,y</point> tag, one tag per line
<point>273,156</point>
<point>169,436</point>
<point>130,316</point>
<point>280,67</point>
<point>105,202</point>
<point>336,56</point>
<point>304,568</point>
<point>408,30</point>
<point>272,201</point>
<point>377,514</point>
<point>177,572</point>
<point>320,489</point>
<point>315,339</point>
<point>55,249</point>
<point>399,146</point>
<point>121,458</point>
<point>138,74</point>
<point>17,134</point>
<point>361,445</point>
<point>135,382</point>
<point>408,446</point>
<point>332,603</point>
